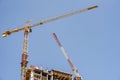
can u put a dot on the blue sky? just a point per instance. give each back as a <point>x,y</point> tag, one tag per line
<point>91,38</point>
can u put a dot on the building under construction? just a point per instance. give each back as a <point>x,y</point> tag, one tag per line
<point>35,73</point>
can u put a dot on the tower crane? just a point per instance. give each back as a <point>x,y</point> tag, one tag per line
<point>74,69</point>
<point>27,30</point>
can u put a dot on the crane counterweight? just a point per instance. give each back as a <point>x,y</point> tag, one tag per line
<point>6,33</point>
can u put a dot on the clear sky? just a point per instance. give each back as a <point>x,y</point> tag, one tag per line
<point>91,38</point>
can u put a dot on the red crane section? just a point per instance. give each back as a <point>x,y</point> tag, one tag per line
<point>75,70</point>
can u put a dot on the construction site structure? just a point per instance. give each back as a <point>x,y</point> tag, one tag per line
<point>37,74</point>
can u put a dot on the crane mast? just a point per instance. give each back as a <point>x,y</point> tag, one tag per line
<point>24,60</point>
<point>75,70</point>
<point>6,33</point>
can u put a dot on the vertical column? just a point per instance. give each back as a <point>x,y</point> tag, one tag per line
<point>24,60</point>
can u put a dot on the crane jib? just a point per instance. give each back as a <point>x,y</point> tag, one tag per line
<point>6,33</point>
